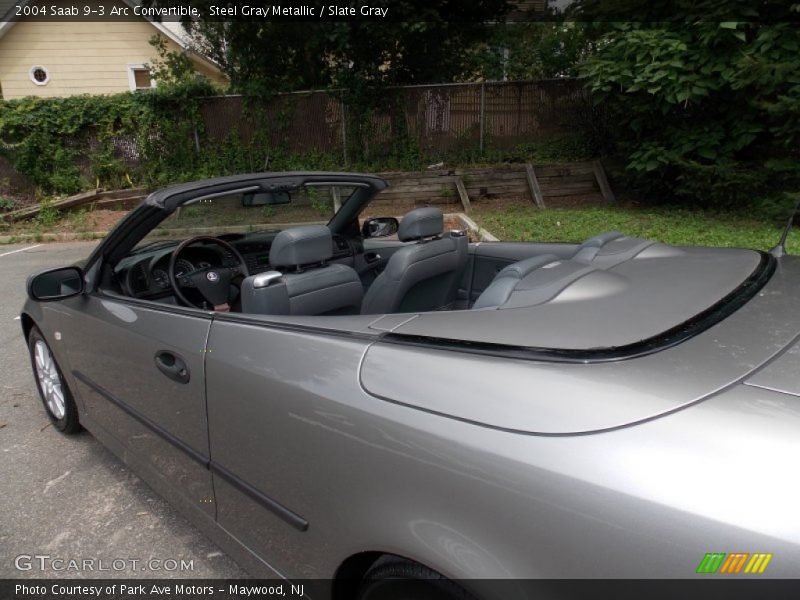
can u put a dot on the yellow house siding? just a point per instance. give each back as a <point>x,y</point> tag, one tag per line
<point>80,57</point>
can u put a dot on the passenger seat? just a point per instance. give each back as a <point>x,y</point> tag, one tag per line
<point>422,276</point>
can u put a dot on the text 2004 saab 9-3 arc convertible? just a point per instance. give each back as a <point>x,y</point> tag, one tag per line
<point>340,397</point>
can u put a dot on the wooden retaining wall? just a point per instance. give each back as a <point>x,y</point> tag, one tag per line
<point>455,189</point>
<point>537,182</point>
<point>98,198</point>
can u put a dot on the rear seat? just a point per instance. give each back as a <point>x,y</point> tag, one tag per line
<point>530,282</point>
<point>506,280</point>
<point>538,279</point>
<point>608,249</point>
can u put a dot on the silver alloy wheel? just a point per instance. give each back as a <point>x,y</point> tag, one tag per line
<point>49,380</point>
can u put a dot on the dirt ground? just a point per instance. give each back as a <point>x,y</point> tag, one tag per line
<point>76,222</point>
<point>98,220</point>
<point>577,201</point>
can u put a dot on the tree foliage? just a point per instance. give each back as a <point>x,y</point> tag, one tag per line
<point>532,50</point>
<point>173,68</point>
<point>426,41</point>
<point>706,112</point>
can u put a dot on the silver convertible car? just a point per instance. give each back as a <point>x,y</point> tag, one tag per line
<point>363,401</point>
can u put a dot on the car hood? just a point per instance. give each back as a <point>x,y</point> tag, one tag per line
<point>553,398</point>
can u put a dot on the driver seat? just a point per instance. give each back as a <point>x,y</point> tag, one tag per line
<point>308,285</point>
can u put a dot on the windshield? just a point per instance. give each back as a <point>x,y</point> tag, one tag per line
<point>249,212</point>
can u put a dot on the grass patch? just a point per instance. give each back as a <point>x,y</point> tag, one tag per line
<point>675,226</point>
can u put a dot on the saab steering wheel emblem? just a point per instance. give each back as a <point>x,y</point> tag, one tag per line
<point>212,276</point>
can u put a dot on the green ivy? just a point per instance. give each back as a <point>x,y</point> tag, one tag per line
<point>64,145</point>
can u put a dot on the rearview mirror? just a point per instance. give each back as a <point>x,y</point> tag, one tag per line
<point>266,198</point>
<point>380,227</point>
<point>56,284</point>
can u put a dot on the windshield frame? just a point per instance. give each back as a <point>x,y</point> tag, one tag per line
<point>175,235</point>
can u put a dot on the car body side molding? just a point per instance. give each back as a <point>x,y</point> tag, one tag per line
<point>275,507</point>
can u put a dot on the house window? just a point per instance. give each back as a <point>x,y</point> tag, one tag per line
<point>140,78</point>
<point>39,75</point>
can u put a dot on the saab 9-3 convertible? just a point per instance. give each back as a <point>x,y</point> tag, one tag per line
<point>334,396</point>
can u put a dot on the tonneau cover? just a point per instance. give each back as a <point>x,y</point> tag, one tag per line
<point>658,289</point>
<point>526,395</point>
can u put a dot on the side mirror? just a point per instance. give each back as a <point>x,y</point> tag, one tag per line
<point>380,227</point>
<point>56,284</point>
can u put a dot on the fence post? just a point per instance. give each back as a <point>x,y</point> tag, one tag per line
<point>344,132</point>
<point>533,184</point>
<point>483,114</point>
<point>196,140</point>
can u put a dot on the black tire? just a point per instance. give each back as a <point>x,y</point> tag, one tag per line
<point>395,578</point>
<point>68,421</point>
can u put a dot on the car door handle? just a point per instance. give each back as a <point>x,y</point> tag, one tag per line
<point>172,365</point>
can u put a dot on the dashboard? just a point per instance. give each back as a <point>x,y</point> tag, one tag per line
<point>144,274</point>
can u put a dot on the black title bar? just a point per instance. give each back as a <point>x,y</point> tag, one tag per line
<point>377,11</point>
<point>704,587</point>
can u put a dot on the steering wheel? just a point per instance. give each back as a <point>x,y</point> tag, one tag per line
<point>213,283</point>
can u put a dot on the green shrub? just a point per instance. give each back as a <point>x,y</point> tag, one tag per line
<point>704,113</point>
<point>48,215</point>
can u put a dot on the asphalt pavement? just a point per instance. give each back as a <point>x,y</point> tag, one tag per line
<point>66,497</point>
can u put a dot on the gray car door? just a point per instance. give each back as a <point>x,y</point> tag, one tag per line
<point>274,409</point>
<point>138,369</point>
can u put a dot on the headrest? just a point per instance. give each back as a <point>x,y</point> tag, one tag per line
<point>601,240</point>
<point>421,223</point>
<point>524,267</point>
<point>303,245</point>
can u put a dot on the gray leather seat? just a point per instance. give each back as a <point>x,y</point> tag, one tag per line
<point>308,285</point>
<point>609,249</point>
<point>537,279</point>
<point>423,276</point>
<point>508,280</point>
